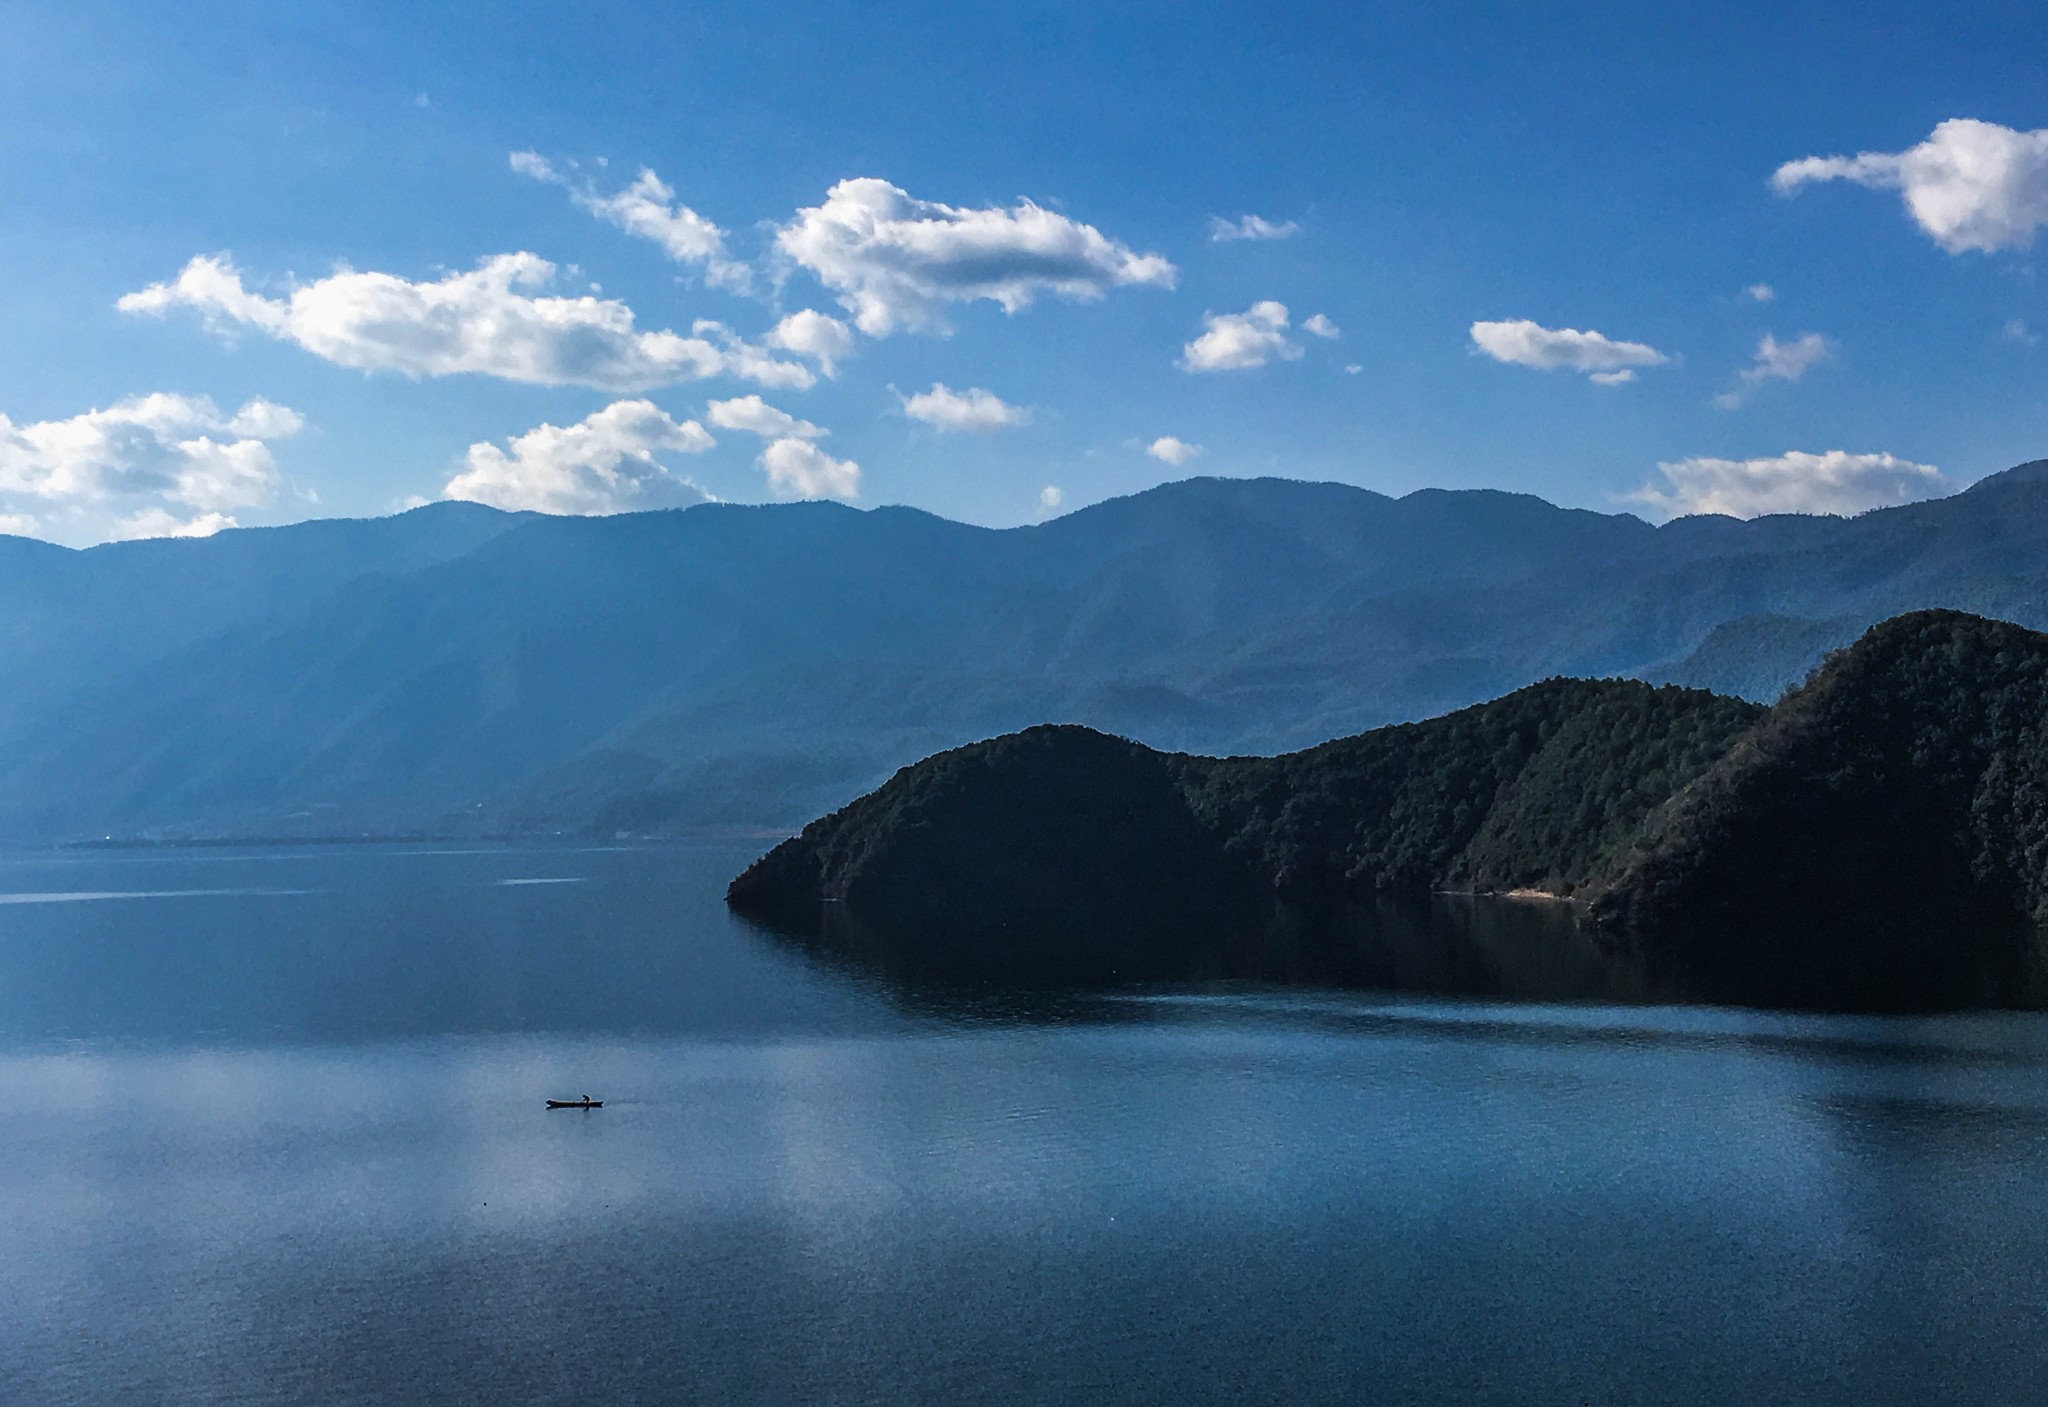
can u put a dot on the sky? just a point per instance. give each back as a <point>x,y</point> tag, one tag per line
<point>260,263</point>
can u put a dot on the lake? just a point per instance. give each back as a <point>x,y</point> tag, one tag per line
<point>273,1132</point>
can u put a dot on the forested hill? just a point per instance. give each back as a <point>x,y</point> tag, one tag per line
<point>458,670</point>
<point>1878,839</point>
<point>1871,831</point>
<point>1060,853</point>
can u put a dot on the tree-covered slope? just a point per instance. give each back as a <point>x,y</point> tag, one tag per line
<point>1055,854</point>
<point>1881,832</point>
<point>1879,839</point>
<point>1531,790</point>
<point>1063,852</point>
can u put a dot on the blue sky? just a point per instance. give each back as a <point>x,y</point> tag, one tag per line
<point>1456,187</point>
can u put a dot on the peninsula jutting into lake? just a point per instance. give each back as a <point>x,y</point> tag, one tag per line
<point>1878,839</point>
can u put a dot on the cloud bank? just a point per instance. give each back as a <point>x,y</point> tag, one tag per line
<point>608,462</point>
<point>895,262</point>
<point>174,465</point>
<point>1520,342</point>
<point>1970,186</point>
<point>974,409</point>
<point>484,322</point>
<point>1836,482</point>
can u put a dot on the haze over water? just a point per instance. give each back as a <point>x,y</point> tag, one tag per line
<point>273,1131</point>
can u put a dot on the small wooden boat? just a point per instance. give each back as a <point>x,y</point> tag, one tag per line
<point>586,1102</point>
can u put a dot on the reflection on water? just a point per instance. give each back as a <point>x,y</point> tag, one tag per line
<point>1480,946</point>
<point>1463,945</point>
<point>307,1161</point>
<point>1450,945</point>
<point>88,896</point>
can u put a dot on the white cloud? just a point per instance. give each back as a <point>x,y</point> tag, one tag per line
<point>212,285</point>
<point>810,333</point>
<point>755,416</point>
<point>1353,368</point>
<point>647,209</point>
<point>1321,326</point>
<point>1250,227</point>
<point>2020,334</point>
<point>1240,341</point>
<point>1970,185</point>
<point>1520,342</point>
<point>481,322</point>
<point>1777,361</point>
<point>1171,449</point>
<point>975,409</point>
<point>799,469</point>
<point>1760,293</point>
<point>751,363</point>
<point>159,522</point>
<point>1051,497</point>
<point>265,420</point>
<point>896,261</point>
<point>214,475</point>
<point>605,463</point>
<point>1835,482</point>
<point>1788,361</point>
<point>171,462</point>
<point>19,524</point>
<point>1612,378</point>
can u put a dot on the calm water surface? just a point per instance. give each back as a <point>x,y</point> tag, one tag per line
<point>273,1133</point>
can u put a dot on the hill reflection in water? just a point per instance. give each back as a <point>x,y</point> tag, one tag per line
<point>1479,947</point>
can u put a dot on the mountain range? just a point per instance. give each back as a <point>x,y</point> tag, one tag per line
<point>457,670</point>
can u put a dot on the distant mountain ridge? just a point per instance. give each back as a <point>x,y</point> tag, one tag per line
<point>459,670</point>
<point>78,620</point>
<point>1877,840</point>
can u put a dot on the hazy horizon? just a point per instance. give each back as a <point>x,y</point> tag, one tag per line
<point>1951,491</point>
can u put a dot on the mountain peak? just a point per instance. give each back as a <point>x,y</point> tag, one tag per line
<point>2034,471</point>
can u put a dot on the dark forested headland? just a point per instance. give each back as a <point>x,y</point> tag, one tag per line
<point>1878,839</point>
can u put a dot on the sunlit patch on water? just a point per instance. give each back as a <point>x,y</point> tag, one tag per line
<point>92,896</point>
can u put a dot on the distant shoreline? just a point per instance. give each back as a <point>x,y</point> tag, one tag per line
<point>1524,895</point>
<point>1536,896</point>
<point>258,842</point>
